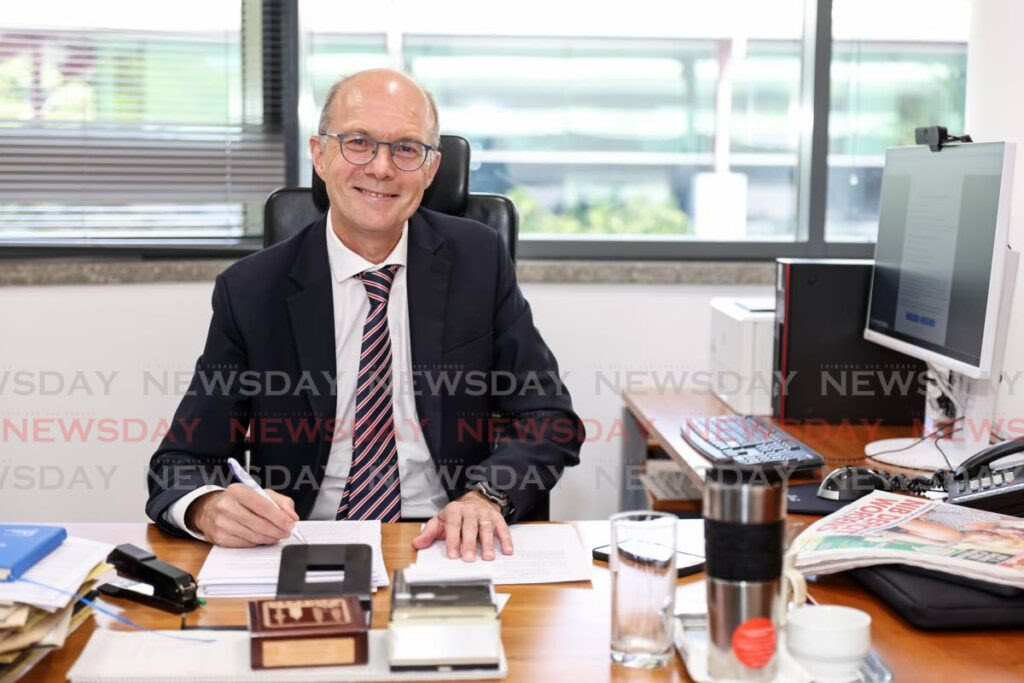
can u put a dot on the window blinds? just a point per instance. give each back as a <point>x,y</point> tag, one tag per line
<point>136,125</point>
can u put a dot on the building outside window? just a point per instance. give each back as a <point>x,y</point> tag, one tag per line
<point>680,121</point>
<point>684,127</point>
<point>127,120</point>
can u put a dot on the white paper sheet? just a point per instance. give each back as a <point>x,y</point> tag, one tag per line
<point>692,598</point>
<point>252,572</point>
<point>64,568</point>
<point>689,535</point>
<point>133,656</point>
<point>543,553</point>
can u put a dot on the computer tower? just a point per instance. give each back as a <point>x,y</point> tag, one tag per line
<point>824,369</point>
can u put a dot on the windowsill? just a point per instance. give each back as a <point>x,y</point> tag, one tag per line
<point>121,270</point>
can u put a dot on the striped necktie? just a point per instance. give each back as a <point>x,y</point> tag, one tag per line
<point>372,490</point>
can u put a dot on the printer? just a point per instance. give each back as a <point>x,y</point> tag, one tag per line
<point>741,352</point>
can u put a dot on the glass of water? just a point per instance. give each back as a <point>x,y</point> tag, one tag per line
<point>642,561</point>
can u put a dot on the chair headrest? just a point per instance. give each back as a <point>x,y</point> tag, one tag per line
<point>447,194</point>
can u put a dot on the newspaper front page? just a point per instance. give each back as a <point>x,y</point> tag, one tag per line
<point>889,528</point>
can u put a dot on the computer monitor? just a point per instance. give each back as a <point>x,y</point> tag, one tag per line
<point>940,258</point>
<point>942,285</point>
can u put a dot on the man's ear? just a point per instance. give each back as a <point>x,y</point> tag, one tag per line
<point>435,163</point>
<point>316,152</point>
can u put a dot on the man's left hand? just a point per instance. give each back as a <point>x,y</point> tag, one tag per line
<point>462,523</point>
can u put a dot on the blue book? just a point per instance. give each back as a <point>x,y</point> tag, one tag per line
<point>22,545</point>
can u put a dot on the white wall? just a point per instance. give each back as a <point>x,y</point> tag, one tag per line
<point>137,329</point>
<point>995,111</point>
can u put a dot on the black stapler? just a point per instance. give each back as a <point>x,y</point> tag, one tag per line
<point>173,590</point>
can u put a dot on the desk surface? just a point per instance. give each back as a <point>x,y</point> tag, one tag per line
<point>661,416</point>
<point>561,631</point>
<point>553,632</point>
<point>913,655</point>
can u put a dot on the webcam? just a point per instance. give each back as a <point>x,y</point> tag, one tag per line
<point>936,137</point>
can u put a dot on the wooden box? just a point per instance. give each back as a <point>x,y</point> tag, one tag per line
<point>307,632</point>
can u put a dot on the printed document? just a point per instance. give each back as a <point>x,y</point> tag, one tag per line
<point>543,553</point>
<point>66,568</point>
<point>252,572</point>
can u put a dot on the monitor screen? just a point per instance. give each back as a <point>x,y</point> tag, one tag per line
<point>933,259</point>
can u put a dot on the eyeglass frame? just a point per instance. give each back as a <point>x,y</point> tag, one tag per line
<point>377,143</point>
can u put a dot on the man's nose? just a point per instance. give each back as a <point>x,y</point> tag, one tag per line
<point>381,166</point>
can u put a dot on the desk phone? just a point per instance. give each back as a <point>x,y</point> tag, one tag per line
<point>981,483</point>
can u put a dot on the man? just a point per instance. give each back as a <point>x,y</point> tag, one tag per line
<point>374,319</point>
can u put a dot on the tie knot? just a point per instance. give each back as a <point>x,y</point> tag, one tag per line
<point>378,282</point>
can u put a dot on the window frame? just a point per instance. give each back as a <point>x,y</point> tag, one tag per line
<point>269,30</point>
<point>280,93</point>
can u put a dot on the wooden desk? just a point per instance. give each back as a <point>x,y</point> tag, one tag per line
<point>660,417</point>
<point>912,655</point>
<point>561,631</point>
<point>553,632</point>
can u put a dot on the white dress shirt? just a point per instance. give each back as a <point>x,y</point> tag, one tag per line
<point>422,493</point>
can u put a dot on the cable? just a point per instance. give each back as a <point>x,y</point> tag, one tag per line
<point>945,386</point>
<point>112,615</point>
<point>937,446</point>
<point>874,456</point>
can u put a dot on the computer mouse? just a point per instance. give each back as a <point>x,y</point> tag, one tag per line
<point>851,483</point>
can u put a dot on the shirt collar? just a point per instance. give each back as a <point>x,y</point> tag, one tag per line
<point>345,263</point>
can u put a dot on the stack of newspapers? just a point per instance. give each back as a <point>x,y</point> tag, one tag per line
<point>888,528</point>
<point>35,620</point>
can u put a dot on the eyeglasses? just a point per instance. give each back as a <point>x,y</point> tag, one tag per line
<point>360,149</point>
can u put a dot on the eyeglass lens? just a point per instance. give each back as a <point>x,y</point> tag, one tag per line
<point>407,155</point>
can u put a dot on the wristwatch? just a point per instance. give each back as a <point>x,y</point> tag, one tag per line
<point>496,496</point>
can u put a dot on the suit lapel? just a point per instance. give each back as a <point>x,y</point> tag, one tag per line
<point>311,310</point>
<point>427,279</point>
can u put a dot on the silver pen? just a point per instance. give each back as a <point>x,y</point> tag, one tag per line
<point>243,477</point>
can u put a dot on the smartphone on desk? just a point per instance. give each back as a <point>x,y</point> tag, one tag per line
<point>686,563</point>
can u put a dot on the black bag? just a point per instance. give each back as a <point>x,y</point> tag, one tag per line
<point>937,601</point>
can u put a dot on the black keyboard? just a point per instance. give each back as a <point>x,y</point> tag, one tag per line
<point>748,441</point>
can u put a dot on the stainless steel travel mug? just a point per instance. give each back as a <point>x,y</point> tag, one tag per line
<point>744,520</point>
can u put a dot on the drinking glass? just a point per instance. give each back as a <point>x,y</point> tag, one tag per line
<point>642,561</point>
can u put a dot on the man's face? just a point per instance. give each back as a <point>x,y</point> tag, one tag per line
<point>377,198</point>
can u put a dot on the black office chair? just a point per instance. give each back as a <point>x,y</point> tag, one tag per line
<point>290,209</point>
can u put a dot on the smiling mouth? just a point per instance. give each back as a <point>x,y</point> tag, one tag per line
<point>375,195</point>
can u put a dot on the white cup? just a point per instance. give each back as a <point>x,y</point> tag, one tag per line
<point>829,641</point>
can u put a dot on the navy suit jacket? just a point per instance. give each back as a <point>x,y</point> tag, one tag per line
<point>488,394</point>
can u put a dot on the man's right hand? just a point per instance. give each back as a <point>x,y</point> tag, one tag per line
<point>238,517</point>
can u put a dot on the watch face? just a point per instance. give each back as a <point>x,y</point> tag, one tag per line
<point>499,496</point>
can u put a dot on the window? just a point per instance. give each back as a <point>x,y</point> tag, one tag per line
<point>131,120</point>
<point>667,129</point>
<point>327,55</point>
<point>671,121</point>
<point>888,78</point>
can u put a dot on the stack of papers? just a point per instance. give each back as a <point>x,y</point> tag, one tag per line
<point>253,572</point>
<point>543,553</point>
<point>66,568</point>
<point>33,619</point>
